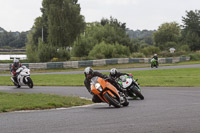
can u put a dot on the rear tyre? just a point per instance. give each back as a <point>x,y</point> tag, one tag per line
<point>30,82</point>
<point>18,86</point>
<point>126,102</point>
<point>112,100</point>
<point>136,91</point>
<point>156,65</point>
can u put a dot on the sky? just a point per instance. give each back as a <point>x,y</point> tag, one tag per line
<point>19,15</point>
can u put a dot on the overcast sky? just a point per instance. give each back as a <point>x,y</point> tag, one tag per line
<point>19,15</point>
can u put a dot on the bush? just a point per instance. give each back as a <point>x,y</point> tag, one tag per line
<point>184,48</point>
<point>138,55</point>
<point>104,50</point>
<point>54,59</point>
<point>32,54</point>
<point>149,51</point>
<point>63,54</point>
<point>82,46</point>
<point>45,52</point>
<point>81,58</point>
<point>175,54</point>
<point>120,51</point>
<point>195,56</point>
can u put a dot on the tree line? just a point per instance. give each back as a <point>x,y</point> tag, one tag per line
<point>10,39</point>
<point>61,33</point>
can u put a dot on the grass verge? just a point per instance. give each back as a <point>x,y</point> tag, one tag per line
<point>107,67</point>
<point>189,77</point>
<point>21,101</point>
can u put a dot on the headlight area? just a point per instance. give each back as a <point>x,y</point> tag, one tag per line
<point>98,87</point>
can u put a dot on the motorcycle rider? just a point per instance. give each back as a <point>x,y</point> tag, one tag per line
<point>16,64</point>
<point>89,74</point>
<point>155,56</point>
<point>115,74</point>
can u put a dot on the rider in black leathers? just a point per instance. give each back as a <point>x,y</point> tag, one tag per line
<point>89,74</point>
<point>16,64</point>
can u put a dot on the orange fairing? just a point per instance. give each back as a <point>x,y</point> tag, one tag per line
<point>94,90</point>
<point>106,84</point>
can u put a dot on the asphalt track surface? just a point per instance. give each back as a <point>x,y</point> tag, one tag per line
<point>164,110</point>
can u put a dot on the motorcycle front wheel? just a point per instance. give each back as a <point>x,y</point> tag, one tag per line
<point>135,90</point>
<point>30,82</point>
<point>112,101</point>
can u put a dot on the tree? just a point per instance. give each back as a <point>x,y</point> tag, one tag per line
<point>20,40</point>
<point>39,30</point>
<point>110,32</point>
<point>191,29</point>
<point>57,28</point>
<point>64,21</point>
<point>113,22</point>
<point>83,46</point>
<point>167,32</point>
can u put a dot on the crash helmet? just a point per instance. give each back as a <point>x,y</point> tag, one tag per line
<point>88,72</point>
<point>113,72</point>
<point>155,54</point>
<point>16,62</point>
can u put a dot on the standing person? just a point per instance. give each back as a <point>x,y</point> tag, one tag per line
<point>16,64</point>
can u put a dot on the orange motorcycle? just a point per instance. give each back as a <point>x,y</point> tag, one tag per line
<point>107,92</point>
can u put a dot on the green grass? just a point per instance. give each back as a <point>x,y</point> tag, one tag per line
<point>107,67</point>
<point>157,77</point>
<point>118,66</point>
<point>21,101</point>
<point>183,77</point>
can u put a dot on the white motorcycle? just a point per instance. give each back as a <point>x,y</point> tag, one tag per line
<point>132,87</point>
<point>23,77</point>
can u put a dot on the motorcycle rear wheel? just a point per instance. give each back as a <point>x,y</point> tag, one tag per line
<point>112,101</point>
<point>126,102</point>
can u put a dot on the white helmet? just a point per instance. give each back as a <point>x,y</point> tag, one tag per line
<point>155,54</point>
<point>88,70</point>
<point>113,72</point>
<point>15,61</point>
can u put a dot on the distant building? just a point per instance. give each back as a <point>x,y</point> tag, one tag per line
<point>12,57</point>
<point>172,50</point>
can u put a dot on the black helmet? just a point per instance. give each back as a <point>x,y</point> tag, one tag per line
<point>113,72</point>
<point>88,72</point>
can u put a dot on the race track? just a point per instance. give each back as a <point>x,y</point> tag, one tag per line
<point>164,110</point>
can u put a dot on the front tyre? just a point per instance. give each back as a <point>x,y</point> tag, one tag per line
<point>30,82</point>
<point>112,100</point>
<point>136,91</point>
